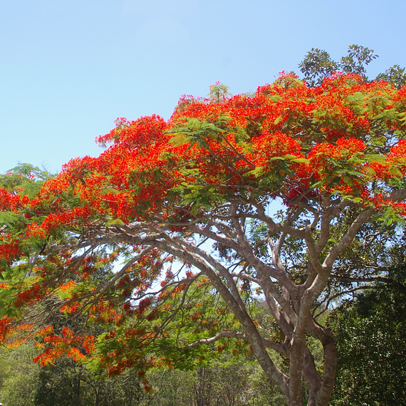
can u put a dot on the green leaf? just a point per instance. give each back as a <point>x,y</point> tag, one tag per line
<point>256,172</point>
<point>375,158</point>
<point>180,139</point>
<point>9,218</point>
<point>295,158</point>
<point>277,158</point>
<point>278,120</point>
<point>115,222</point>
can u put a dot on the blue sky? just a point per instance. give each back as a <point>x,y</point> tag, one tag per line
<point>69,68</point>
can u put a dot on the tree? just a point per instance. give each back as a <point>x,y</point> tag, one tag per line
<point>318,65</point>
<point>19,376</point>
<point>169,237</point>
<point>370,333</point>
<point>221,384</point>
<point>65,383</point>
<point>394,75</point>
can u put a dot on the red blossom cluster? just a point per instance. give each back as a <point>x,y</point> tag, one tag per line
<point>69,344</point>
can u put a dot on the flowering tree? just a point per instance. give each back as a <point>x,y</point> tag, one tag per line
<point>217,229</point>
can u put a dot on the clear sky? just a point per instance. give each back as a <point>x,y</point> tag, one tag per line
<point>69,68</point>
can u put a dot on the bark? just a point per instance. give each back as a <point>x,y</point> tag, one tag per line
<point>330,369</point>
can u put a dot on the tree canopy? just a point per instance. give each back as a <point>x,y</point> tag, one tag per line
<point>218,229</point>
<point>318,65</point>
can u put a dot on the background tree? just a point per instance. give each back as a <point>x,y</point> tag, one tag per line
<point>394,75</point>
<point>318,65</point>
<point>66,382</point>
<point>19,376</point>
<point>370,333</point>
<point>125,239</point>
<point>230,382</point>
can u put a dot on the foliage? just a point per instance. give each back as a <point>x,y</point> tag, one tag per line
<point>65,383</point>
<point>67,380</point>
<point>394,75</point>
<point>69,383</point>
<point>19,376</point>
<point>221,384</point>
<point>317,65</point>
<point>370,334</point>
<point>167,241</point>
